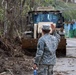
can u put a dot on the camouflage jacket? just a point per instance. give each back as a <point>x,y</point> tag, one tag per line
<point>46,49</point>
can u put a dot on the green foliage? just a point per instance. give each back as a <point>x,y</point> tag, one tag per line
<point>0,33</point>
<point>69,15</point>
<point>47,2</point>
<point>1,14</point>
<point>69,9</point>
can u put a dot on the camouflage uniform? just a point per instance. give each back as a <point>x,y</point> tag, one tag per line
<point>46,53</point>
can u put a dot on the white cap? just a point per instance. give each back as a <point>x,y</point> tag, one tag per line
<point>46,27</point>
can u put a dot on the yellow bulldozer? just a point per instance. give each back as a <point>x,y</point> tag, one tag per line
<point>35,20</point>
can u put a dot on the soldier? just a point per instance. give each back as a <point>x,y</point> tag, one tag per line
<point>46,51</point>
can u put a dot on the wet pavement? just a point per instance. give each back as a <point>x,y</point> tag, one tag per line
<point>71,42</point>
<point>65,66</point>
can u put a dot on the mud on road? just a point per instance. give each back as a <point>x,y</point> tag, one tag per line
<point>23,66</point>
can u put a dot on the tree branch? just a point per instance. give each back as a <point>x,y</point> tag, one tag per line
<point>23,3</point>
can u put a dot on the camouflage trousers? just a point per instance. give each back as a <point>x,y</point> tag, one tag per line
<point>45,70</point>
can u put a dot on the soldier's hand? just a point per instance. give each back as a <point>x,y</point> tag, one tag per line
<point>53,27</point>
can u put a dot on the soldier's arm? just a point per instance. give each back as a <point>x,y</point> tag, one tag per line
<point>56,35</point>
<point>40,50</point>
<point>56,39</point>
<point>54,32</point>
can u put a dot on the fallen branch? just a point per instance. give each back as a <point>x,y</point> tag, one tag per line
<point>10,72</point>
<point>2,73</point>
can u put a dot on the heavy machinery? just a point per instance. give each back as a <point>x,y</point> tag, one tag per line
<point>35,20</point>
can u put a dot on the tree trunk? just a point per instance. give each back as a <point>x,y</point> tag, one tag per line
<point>5,18</point>
<point>67,1</point>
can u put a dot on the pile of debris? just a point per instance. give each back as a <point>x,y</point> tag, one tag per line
<point>13,61</point>
<point>15,65</point>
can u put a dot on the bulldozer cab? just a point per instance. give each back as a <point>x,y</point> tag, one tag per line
<point>46,16</point>
<point>38,18</point>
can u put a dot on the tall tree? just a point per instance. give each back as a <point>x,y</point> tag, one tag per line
<point>4,4</point>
